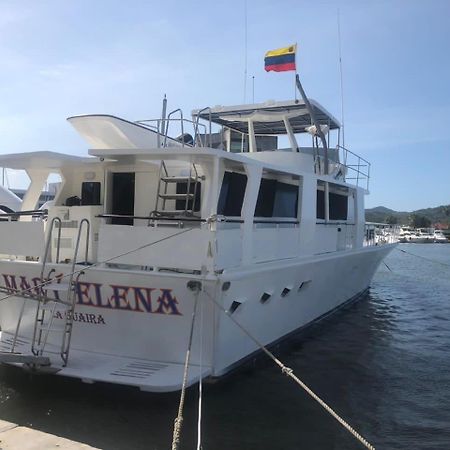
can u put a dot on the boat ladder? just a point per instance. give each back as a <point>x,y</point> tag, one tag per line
<point>49,306</point>
<point>63,300</point>
<point>185,196</point>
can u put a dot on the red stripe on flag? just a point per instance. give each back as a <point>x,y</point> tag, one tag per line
<point>280,67</point>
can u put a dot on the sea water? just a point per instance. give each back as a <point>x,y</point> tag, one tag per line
<point>382,363</point>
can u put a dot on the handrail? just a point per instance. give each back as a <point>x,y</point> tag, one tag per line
<point>161,167</point>
<point>166,131</point>
<point>188,188</point>
<point>360,169</point>
<point>33,212</point>
<point>332,223</point>
<point>197,125</point>
<point>183,122</point>
<point>161,217</point>
<point>193,219</point>
<point>48,243</point>
<point>143,123</point>
<point>80,227</point>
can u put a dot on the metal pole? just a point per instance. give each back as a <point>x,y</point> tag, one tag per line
<point>253,89</point>
<point>245,51</point>
<point>163,116</point>
<point>341,77</point>
<point>314,120</point>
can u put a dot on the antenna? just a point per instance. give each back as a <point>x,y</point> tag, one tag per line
<point>341,76</point>
<point>163,115</point>
<point>253,89</point>
<point>245,51</point>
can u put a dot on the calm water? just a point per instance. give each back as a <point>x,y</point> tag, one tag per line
<point>383,364</point>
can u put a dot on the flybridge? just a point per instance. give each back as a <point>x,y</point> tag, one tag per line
<point>269,118</point>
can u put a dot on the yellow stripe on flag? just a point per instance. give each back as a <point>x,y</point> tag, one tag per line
<point>282,51</point>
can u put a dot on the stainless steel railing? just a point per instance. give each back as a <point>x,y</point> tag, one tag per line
<point>184,124</point>
<point>357,168</point>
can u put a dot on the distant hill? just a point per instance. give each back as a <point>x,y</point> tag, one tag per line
<point>437,215</point>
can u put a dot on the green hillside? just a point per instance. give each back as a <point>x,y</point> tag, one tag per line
<point>420,217</point>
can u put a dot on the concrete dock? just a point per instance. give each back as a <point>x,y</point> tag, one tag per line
<point>13,436</point>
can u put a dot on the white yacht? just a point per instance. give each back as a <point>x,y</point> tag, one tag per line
<point>424,236</point>
<point>149,231</point>
<point>406,234</point>
<point>439,237</point>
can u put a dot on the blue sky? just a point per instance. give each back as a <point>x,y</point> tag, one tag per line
<point>73,57</point>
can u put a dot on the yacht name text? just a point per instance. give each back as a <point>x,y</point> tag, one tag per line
<point>126,298</point>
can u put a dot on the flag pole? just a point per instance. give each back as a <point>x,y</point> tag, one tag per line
<point>295,74</point>
<point>245,50</point>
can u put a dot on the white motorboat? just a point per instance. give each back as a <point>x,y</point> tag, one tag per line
<point>439,237</point>
<point>406,234</point>
<point>149,232</point>
<point>423,236</point>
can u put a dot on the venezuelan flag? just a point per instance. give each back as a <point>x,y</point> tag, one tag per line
<point>281,59</point>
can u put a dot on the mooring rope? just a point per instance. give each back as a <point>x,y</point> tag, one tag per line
<point>423,257</point>
<point>290,373</point>
<point>91,266</point>
<point>200,383</point>
<point>178,422</point>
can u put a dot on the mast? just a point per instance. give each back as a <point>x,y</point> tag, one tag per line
<point>314,120</point>
<point>341,77</point>
<point>163,116</point>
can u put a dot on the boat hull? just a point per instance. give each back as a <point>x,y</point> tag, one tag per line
<point>139,322</point>
<point>317,287</point>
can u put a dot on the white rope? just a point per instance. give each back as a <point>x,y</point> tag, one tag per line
<point>290,373</point>
<point>200,383</point>
<point>423,257</point>
<point>91,266</point>
<point>178,422</point>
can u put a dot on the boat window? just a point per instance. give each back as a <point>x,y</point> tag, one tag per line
<point>238,143</point>
<point>337,201</point>
<point>286,200</point>
<point>320,202</point>
<point>338,206</point>
<point>90,193</point>
<point>232,193</point>
<point>276,199</point>
<point>266,198</point>
<point>123,197</point>
<point>338,198</point>
<point>182,189</point>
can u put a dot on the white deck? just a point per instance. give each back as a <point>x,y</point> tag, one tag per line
<point>147,375</point>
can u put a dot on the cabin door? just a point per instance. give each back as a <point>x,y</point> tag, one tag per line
<point>122,197</point>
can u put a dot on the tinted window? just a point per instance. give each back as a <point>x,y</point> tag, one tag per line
<point>232,194</point>
<point>266,198</point>
<point>320,204</point>
<point>90,193</point>
<point>286,200</point>
<point>338,206</point>
<point>276,199</point>
<point>123,198</point>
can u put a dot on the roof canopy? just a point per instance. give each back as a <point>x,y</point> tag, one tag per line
<point>41,160</point>
<point>268,117</point>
